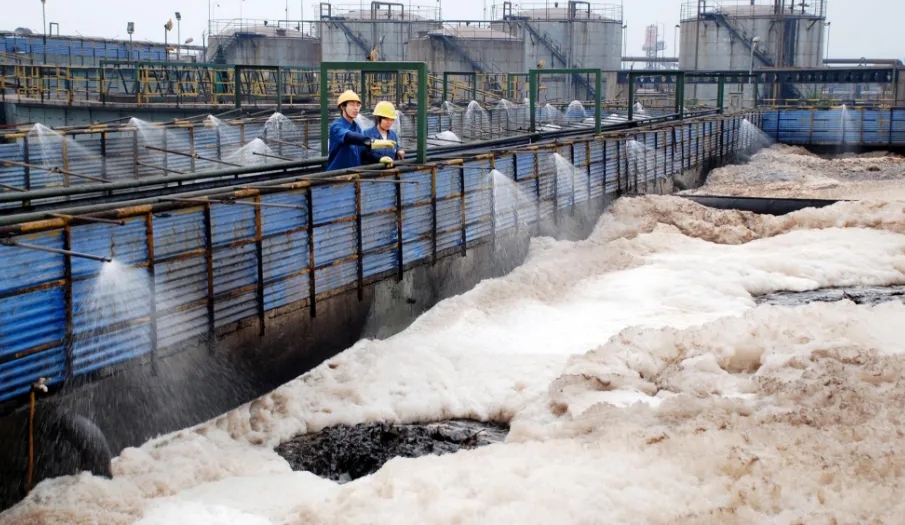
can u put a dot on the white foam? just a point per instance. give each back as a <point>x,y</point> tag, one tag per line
<point>641,383</point>
<point>788,171</point>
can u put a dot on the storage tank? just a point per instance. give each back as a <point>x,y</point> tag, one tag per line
<point>741,34</point>
<point>468,48</point>
<point>568,34</point>
<point>351,34</point>
<point>261,43</point>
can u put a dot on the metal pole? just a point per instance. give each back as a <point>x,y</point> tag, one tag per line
<point>8,242</point>
<point>44,18</point>
<point>178,37</point>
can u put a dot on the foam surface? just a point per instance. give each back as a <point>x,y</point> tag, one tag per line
<point>641,383</point>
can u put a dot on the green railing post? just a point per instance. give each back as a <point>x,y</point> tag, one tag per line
<point>279,89</point>
<point>474,86</point>
<point>598,99</point>
<point>680,94</point>
<point>325,95</point>
<point>631,95</point>
<point>445,86</point>
<point>720,91</point>
<point>422,112</point>
<point>237,98</point>
<point>532,95</point>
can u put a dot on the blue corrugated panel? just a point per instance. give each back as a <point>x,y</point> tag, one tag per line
<point>447,182</point>
<point>232,223</point>
<point>505,164</point>
<point>31,320</point>
<point>794,126</point>
<point>178,232</point>
<point>546,168</point>
<point>414,193</point>
<point>449,216</point>
<point>333,202</point>
<point>378,235</point>
<point>105,311</point>
<point>477,200</point>
<point>25,267</point>
<point>597,167</point>
<point>12,175</point>
<point>416,223</point>
<point>898,126</point>
<point>178,284</point>
<point>567,178</point>
<point>276,220</point>
<point>582,182</point>
<point>17,376</point>
<point>612,165</point>
<point>876,126</point>
<point>506,201</point>
<point>126,244</point>
<point>234,267</point>
<point>332,243</point>
<point>525,164</point>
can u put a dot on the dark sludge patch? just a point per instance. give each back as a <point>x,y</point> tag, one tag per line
<point>344,453</point>
<point>867,295</point>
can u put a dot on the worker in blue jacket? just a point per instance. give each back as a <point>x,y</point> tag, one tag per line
<point>347,143</point>
<point>384,117</point>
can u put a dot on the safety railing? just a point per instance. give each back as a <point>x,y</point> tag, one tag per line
<point>186,270</point>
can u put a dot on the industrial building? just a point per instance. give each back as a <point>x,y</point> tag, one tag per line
<point>743,35</point>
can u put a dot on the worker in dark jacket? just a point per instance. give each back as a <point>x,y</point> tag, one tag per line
<point>347,143</point>
<point>384,117</point>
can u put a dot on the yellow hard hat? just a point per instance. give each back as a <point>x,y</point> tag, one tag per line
<point>348,96</point>
<point>385,109</point>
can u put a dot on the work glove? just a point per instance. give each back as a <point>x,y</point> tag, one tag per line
<point>382,143</point>
<point>387,162</point>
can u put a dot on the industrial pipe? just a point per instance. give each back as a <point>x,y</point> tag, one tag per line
<point>8,242</point>
<point>48,193</point>
<point>864,61</point>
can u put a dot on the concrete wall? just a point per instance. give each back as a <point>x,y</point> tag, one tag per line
<point>506,55</point>
<point>396,34</point>
<point>269,50</point>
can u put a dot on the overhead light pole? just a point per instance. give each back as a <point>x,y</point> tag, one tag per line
<point>130,28</point>
<point>178,34</point>
<point>44,21</point>
<point>166,40</point>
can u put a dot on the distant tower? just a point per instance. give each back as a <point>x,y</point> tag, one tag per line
<point>652,46</point>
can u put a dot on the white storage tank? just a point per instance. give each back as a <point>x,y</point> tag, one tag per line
<point>568,34</point>
<point>741,35</point>
<point>352,34</point>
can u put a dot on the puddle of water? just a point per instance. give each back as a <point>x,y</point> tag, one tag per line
<point>869,295</point>
<point>345,453</point>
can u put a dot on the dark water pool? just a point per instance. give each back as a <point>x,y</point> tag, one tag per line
<point>344,453</point>
<point>869,295</point>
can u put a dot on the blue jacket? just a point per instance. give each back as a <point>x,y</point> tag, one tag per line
<point>347,145</point>
<point>374,155</point>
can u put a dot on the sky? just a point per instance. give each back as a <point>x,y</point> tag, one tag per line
<point>854,31</point>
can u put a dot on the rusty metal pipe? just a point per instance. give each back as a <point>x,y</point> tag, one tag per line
<point>86,218</point>
<point>272,156</point>
<point>232,201</point>
<point>193,156</point>
<point>161,168</point>
<point>283,142</point>
<point>13,188</point>
<point>54,170</point>
<point>8,242</point>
